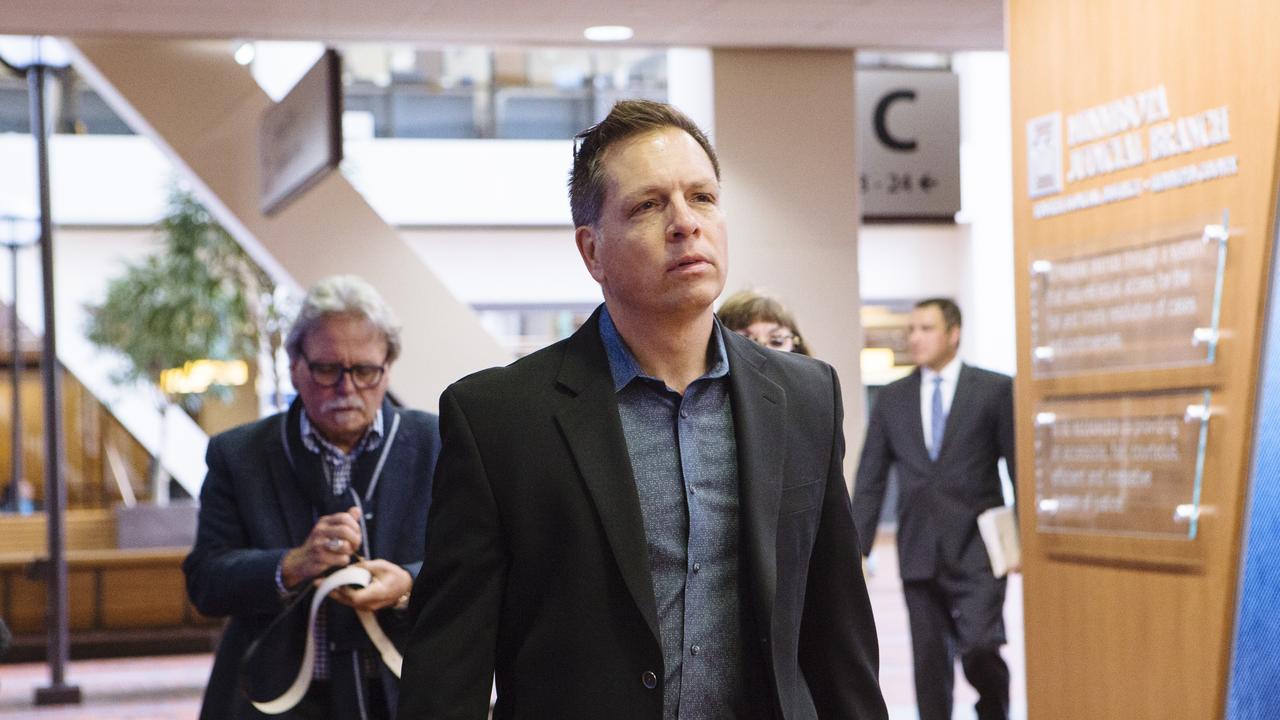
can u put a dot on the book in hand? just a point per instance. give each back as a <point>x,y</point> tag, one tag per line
<point>999,530</point>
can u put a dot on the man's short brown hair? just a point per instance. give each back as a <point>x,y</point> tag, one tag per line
<point>950,311</point>
<point>587,181</point>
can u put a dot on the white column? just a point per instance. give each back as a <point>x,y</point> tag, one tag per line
<point>987,210</point>
<point>786,135</point>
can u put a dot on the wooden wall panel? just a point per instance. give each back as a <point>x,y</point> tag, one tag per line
<point>1136,627</point>
<point>88,430</point>
<point>143,597</point>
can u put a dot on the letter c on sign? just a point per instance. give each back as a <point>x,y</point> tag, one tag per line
<point>882,126</point>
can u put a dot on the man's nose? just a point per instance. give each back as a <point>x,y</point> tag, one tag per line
<point>346,383</point>
<point>683,222</point>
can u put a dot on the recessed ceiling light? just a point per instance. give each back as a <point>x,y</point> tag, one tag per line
<point>608,33</point>
<point>245,53</point>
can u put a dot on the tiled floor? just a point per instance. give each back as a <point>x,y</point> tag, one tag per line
<point>156,688</point>
<point>169,688</point>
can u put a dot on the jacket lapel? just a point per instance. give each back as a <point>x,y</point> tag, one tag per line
<point>285,480</point>
<point>959,404</point>
<point>593,432</point>
<point>759,412</point>
<point>921,445</point>
<point>389,504</point>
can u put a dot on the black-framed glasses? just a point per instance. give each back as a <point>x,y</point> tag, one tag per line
<point>781,340</point>
<point>330,374</point>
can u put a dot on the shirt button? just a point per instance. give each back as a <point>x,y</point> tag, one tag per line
<point>697,567</point>
<point>684,414</point>
<point>649,679</point>
<point>695,650</point>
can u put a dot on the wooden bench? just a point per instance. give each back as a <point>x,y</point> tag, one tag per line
<point>84,529</point>
<point>106,590</point>
<point>115,597</point>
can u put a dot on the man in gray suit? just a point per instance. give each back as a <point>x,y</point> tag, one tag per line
<point>944,427</point>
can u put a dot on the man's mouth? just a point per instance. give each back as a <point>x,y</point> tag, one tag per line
<point>689,261</point>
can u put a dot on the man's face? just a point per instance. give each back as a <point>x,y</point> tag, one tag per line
<point>929,341</point>
<point>660,249</point>
<point>341,413</point>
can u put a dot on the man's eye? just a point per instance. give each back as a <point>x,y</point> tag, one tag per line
<point>646,205</point>
<point>704,198</point>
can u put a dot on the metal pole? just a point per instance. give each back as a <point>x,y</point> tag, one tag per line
<point>19,363</point>
<point>58,693</point>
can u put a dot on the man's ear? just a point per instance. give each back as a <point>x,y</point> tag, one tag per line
<point>588,239</point>
<point>295,372</point>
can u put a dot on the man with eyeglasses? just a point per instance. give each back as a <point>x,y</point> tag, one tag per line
<point>342,476</point>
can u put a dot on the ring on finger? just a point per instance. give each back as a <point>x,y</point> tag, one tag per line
<point>334,544</point>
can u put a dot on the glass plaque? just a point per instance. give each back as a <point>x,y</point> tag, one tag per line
<point>1121,465</point>
<point>1147,306</point>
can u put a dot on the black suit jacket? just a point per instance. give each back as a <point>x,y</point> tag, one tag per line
<point>537,565</point>
<point>938,501</point>
<point>255,505</point>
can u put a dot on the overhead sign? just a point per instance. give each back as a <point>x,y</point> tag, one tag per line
<point>909,130</point>
<point>300,137</point>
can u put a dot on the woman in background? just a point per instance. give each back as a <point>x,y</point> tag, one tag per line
<point>762,319</point>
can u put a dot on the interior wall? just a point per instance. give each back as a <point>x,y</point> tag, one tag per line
<point>791,197</point>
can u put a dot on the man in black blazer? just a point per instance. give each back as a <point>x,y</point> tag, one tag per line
<point>646,520</point>
<point>944,427</point>
<point>343,472</point>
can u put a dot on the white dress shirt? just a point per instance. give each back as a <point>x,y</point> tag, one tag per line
<point>950,377</point>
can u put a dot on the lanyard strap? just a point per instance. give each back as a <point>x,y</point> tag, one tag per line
<point>350,575</point>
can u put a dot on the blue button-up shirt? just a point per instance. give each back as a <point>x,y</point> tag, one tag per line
<point>685,462</point>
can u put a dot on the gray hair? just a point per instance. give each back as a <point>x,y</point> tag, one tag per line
<point>343,295</point>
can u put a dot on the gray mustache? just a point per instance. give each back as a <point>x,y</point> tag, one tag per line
<point>341,404</point>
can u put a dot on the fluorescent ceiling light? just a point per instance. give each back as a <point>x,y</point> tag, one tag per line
<point>608,33</point>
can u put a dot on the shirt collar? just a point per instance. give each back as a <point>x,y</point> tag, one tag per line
<point>623,365</point>
<point>950,372</point>
<point>315,442</point>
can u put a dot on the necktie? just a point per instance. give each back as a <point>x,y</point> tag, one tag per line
<point>938,419</point>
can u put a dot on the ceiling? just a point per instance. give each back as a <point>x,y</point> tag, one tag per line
<point>942,25</point>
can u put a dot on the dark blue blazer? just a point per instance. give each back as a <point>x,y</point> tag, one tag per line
<point>256,504</point>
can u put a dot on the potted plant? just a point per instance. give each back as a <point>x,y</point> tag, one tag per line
<point>199,298</point>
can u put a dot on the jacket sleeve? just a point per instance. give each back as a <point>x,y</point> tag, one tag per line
<point>839,653</point>
<point>457,598</point>
<point>225,576</point>
<point>872,477</point>
<point>1006,431</point>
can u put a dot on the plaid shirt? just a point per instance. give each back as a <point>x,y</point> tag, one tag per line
<point>338,466</point>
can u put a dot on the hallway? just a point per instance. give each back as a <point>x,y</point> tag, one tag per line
<point>169,688</point>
